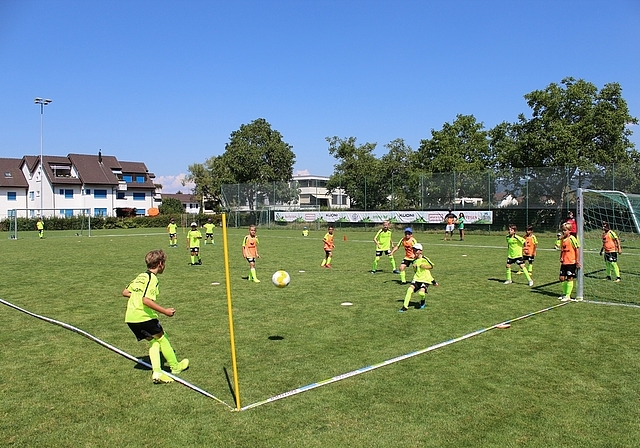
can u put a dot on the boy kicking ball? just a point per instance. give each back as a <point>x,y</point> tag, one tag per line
<point>421,279</point>
<point>142,317</point>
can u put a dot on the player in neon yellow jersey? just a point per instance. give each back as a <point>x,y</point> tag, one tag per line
<point>421,279</point>
<point>193,242</point>
<point>515,243</point>
<point>208,231</point>
<point>383,245</point>
<point>142,317</point>
<point>40,228</point>
<point>172,229</point>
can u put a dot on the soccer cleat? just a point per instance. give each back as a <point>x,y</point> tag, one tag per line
<point>530,282</point>
<point>328,266</point>
<point>422,305</point>
<point>519,273</point>
<point>199,262</point>
<point>608,277</point>
<point>180,367</point>
<point>565,299</point>
<point>373,272</point>
<point>395,271</point>
<point>618,280</point>
<point>403,309</point>
<point>255,280</point>
<point>507,282</point>
<point>161,378</point>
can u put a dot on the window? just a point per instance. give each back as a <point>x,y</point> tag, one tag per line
<point>140,179</point>
<point>120,195</point>
<point>61,191</point>
<point>140,212</point>
<point>32,195</point>
<point>100,212</point>
<point>7,174</point>
<point>68,213</point>
<point>11,196</point>
<point>87,191</point>
<point>139,196</point>
<point>128,178</point>
<point>68,194</point>
<point>100,194</point>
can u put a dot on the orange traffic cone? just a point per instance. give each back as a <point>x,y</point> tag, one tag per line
<point>344,237</point>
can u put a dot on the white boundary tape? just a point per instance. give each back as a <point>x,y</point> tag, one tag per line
<point>113,349</point>
<point>392,360</point>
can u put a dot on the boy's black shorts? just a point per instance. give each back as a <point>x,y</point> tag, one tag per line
<point>146,329</point>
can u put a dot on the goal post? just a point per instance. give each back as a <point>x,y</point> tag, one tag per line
<point>622,213</point>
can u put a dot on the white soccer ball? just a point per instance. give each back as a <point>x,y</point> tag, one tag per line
<point>280,278</point>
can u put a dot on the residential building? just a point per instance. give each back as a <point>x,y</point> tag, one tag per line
<point>94,184</point>
<point>13,186</point>
<point>314,193</point>
<point>189,202</point>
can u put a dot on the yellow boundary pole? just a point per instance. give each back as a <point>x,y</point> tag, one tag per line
<point>225,247</point>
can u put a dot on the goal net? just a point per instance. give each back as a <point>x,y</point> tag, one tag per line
<point>622,212</point>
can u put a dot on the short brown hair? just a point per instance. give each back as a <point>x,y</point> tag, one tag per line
<point>154,258</point>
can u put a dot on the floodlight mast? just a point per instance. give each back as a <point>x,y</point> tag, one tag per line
<point>42,102</point>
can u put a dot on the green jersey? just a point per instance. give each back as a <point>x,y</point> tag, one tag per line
<point>144,285</point>
<point>208,228</point>
<point>515,244</point>
<point>422,266</point>
<point>461,223</point>
<point>194,237</point>
<point>383,238</point>
<point>172,228</point>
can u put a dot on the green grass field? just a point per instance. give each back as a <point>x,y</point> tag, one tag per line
<point>564,377</point>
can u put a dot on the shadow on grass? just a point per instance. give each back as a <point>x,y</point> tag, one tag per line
<point>233,394</point>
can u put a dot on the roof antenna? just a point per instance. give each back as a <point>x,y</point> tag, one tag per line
<point>100,156</point>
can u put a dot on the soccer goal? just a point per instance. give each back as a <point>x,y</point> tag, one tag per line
<point>622,213</point>
<point>59,222</point>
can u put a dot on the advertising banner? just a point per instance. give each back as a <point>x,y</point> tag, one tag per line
<point>404,217</point>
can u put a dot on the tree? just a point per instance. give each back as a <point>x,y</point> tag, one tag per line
<point>171,206</point>
<point>396,166</point>
<point>461,150</point>
<point>255,156</point>
<point>358,173</point>
<point>574,129</point>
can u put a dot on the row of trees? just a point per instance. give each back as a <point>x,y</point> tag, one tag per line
<point>573,126</point>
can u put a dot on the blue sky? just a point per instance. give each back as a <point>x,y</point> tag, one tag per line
<point>167,82</point>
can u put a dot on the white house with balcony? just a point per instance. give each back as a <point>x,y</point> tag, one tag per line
<point>314,193</point>
<point>81,183</point>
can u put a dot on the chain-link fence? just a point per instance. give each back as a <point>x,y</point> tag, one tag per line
<point>529,196</point>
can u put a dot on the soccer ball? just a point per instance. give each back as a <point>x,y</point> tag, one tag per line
<point>280,278</point>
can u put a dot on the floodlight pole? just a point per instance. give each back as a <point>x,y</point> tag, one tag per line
<point>42,102</point>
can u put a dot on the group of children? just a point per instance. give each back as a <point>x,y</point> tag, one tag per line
<point>193,238</point>
<point>522,250</point>
<point>142,310</point>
